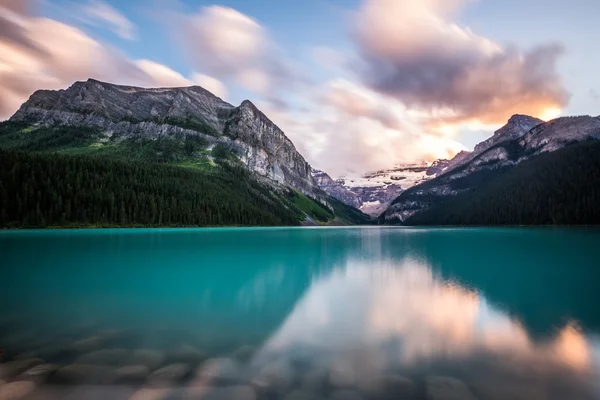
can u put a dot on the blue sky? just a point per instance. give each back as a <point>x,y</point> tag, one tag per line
<point>356,84</point>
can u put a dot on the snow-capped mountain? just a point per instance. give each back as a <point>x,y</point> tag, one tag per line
<point>372,192</point>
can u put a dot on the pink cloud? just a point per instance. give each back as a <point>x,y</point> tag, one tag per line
<point>47,54</point>
<point>414,52</point>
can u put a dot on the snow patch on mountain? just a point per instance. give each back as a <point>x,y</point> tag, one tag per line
<point>372,192</point>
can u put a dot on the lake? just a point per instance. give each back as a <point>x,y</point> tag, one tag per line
<point>301,313</point>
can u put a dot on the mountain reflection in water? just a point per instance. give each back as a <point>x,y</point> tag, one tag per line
<point>366,313</point>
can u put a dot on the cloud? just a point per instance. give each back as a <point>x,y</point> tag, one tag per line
<point>162,75</point>
<point>232,46</point>
<point>12,27</point>
<point>54,55</point>
<point>341,126</point>
<point>348,128</point>
<point>356,102</point>
<point>16,6</point>
<point>413,52</point>
<point>414,81</point>
<point>97,12</point>
<point>211,84</point>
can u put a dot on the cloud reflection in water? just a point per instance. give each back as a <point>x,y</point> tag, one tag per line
<point>400,316</point>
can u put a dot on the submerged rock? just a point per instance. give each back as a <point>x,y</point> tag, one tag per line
<point>219,370</point>
<point>221,393</point>
<point>39,374</point>
<point>187,354</point>
<point>13,368</point>
<point>89,344</point>
<point>301,395</point>
<point>345,395</point>
<point>444,388</point>
<point>16,390</point>
<point>315,380</point>
<point>151,394</point>
<point>277,377</point>
<point>131,374</point>
<point>244,353</point>
<point>390,387</point>
<point>343,375</point>
<point>82,392</point>
<point>169,375</point>
<point>81,373</point>
<point>103,357</point>
<point>150,358</point>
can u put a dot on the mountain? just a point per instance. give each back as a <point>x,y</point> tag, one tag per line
<point>374,191</point>
<point>336,189</point>
<point>236,162</point>
<point>440,166</point>
<point>122,112</point>
<point>555,188</point>
<point>491,168</point>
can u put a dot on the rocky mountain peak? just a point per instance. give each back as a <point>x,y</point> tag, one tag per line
<point>522,118</point>
<point>122,112</point>
<point>521,139</point>
<point>517,126</point>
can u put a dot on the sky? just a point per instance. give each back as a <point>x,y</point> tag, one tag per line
<point>357,85</point>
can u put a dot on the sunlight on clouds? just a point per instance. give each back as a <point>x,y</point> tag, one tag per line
<point>572,347</point>
<point>550,114</point>
<point>413,52</point>
<point>404,98</point>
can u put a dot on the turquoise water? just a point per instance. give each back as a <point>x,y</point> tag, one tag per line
<point>504,313</point>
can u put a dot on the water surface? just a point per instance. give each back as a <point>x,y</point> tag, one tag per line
<point>498,313</point>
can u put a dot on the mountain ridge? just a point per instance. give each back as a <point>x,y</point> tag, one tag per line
<point>494,158</point>
<point>125,111</point>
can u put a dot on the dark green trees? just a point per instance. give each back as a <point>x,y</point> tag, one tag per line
<point>38,190</point>
<point>558,188</point>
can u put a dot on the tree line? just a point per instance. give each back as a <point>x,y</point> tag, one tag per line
<point>43,189</point>
<point>558,188</point>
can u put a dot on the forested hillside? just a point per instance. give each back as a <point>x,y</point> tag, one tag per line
<point>66,176</point>
<point>557,188</point>
<point>39,190</point>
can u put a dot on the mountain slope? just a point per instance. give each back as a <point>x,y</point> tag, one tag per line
<point>125,112</point>
<point>555,188</point>
<point>336,189</point>
<point>483,166</point>
<point>516,127</point>
<point>236,156</point>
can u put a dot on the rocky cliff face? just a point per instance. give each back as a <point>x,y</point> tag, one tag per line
<point>265,149</point>
<point>124,111</point>
<point>559,133</point>
<point>336,189</point>
<point>508,147</point>
<point>516,127</point>
<point>440,166</point>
